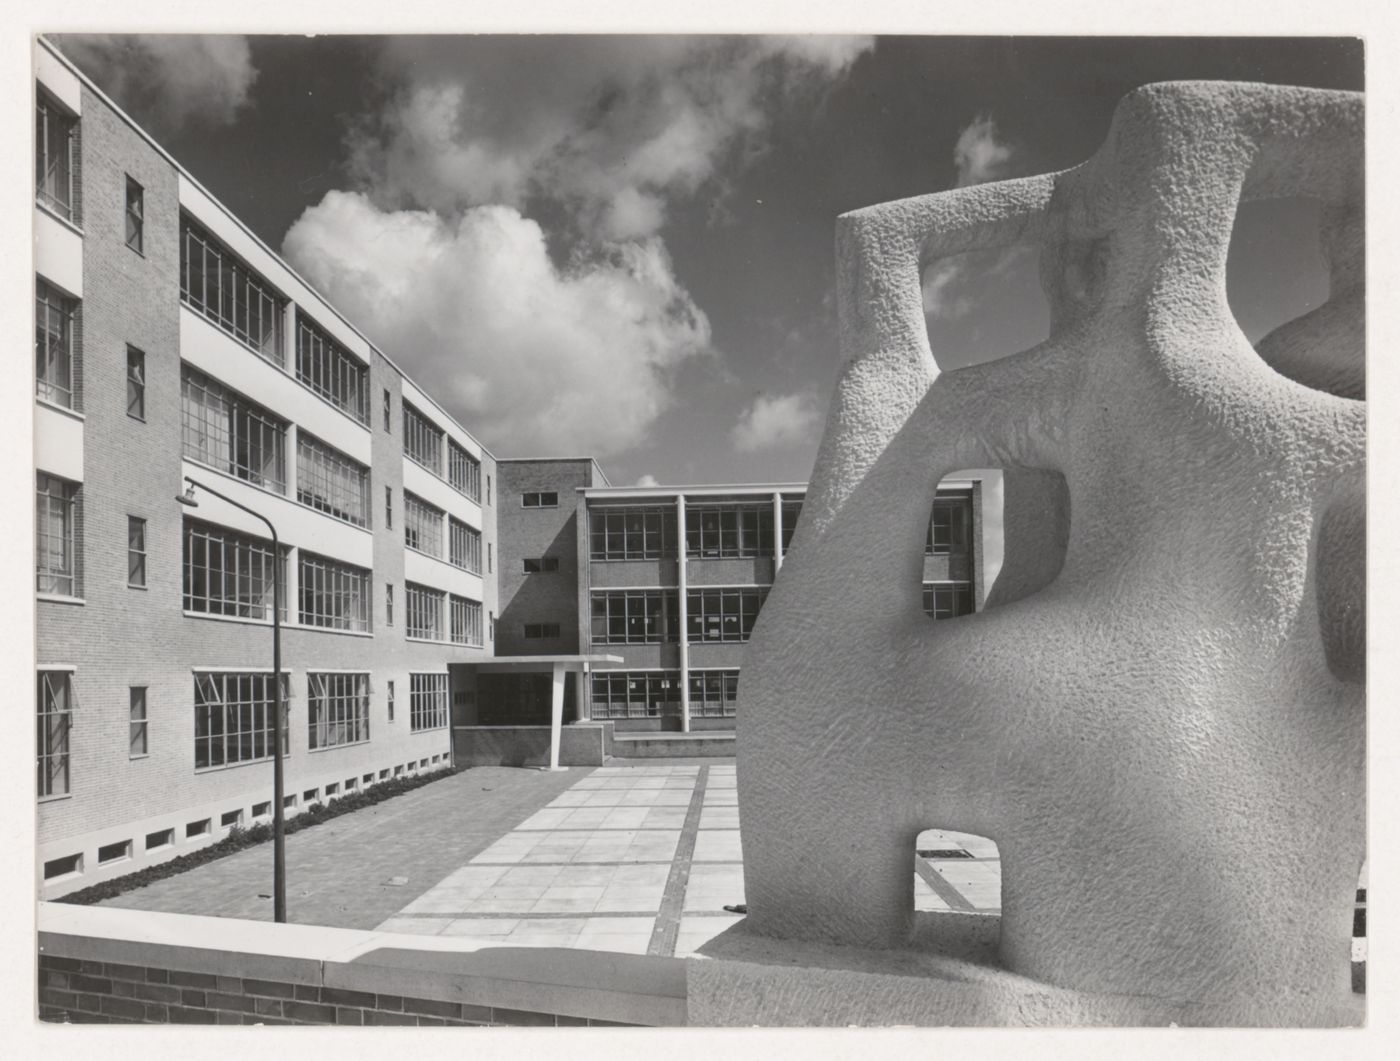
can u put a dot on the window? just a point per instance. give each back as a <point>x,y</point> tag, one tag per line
<point>333,595</point>
<point>57,516</point>
<point>337,710</point>
<point>388,604</point>
<point>55,149</point>
<point>644,533</point>
<point>135,216</point>
<point>636,694</point>
<point>947,600</point>
<point>55,720</point>
<point>135,551</point>
<point>233,720</point>
<point>713,693</point>
<point>391,708</point>
<point>466,621</point>
<point>388,406</point>
<point>791,511</point>
<point>422,440</point>
<point>227,573</point>
<point>422,525</point>
<point>543,563</point>
<point>948,524</point>
<point>199,828</point>
<point>635,617</point>
<point>729,530</point>
<point>388,508</point>
<point>463,471</point>
<point>464,546</point>
<point>488,489</point>
<point>55,366</point>
<point>159,839</point>
<point>330,481</point>
<point>135,383</point>
<point>427,705</point>
<point>137,745</point>
<point>541,631</point>
<point>332,371</point>
<point>231,818</point>
<point>490,566</point>
<point>722,614</point>
<point>549,499</point>
<point>424,608</point>
<point>491,625</point>
<point>117,852</point>
<point>230,433</point>
<point>63,867</point>
<point>235,298</point>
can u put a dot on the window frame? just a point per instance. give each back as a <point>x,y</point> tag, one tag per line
<point>421,603</point>
<point>635,617</point>
<point>632,532</point>
<point>337,709</point>
<point>67,502</point>
<point>634,694</point>
<point>333,595</point>
<point>422,526</point>
<point>138,723</point>
<point>729,530</point>
<point>541,631</point>
<point>256,735</point>
<point>463,471</point>
<point>536,499</point>
<point>258,578</point>
<point>54,727</point>
<point>961,603</point>
<point>344,481</point>
<point>327,369</point>
<point>135,217</point>
<point>723,614</point>
<point>223,430</point>
<point>464,621</point>
<point>428,707</point>
<point>463,545</point>
<point>135,383</point>
<point>136,552</point>
<point>270,341</point>
<point>56,349</point>
<point>418,429</point>
<point>52,117</point>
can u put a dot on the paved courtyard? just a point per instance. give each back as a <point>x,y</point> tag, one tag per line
<point>640,859</point>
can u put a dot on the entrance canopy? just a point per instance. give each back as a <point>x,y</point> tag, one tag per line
<point>505,664</point>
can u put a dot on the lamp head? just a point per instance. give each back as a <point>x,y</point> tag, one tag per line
<point>187,498</point>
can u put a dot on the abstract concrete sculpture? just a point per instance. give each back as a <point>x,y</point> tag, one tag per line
<point>1160,716</point>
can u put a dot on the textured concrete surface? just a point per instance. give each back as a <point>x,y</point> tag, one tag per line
<point>1160,718</point>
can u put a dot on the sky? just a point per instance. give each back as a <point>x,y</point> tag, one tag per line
<point>622,246</point>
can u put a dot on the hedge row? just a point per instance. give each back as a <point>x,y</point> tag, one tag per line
<point>239,838</point>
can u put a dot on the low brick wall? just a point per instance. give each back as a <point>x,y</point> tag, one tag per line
<point>107,965</point>
<point>580,744</point>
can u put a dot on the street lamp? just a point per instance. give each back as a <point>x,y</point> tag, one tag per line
<point>279,854</point>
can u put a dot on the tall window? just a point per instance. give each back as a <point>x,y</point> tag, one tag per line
<point>948,525</point>
<point>635,617</point>
<point>463,471</point>
<point>388,604</point>
<point>636,694</point>
<point>422,525</point>
<point>228,432</point>
<point>466,621</point>
<point>330,481</point>
<point>947,600</point>
<point>729,531</point>
<point>214,282</point>
<point>464,545</point>
<point>333,595</point>
<point>135,216</point>
<point>713,693</point>
<point>56,517</point>
<point>233,720</point>
<point>227,573</point>
<point>424,610</point>
<point>722,614</point>
<point>643,533</point>
<point>55,152</point>
<point>135,551</point>
<point>55,701</point>
<point>337,709</point>
<point>55,366</point>
<point>390,698</point>
<point>388,424</point>
<point>332,371</point>
<point>422,439</point>
<point>427,704</point>
<point>138,745</point>
<point>135,383</point>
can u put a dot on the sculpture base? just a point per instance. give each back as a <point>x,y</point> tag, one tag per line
<point>948,978</point>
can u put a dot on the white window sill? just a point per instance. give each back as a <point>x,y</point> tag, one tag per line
<point>65,222</point>
<point>64,410</point>
<point>60,598</point>
<point>236,619</point>
<point>338,747</point>
<point>55,798</point>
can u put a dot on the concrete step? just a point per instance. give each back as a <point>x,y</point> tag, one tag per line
<point>703,744</point>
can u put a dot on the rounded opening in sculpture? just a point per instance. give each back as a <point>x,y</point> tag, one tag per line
<point>984,305</point>
<point>1293,281</point>
<point>956,872</point>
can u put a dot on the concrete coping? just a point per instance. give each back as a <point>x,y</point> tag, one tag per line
<point>633,989</point>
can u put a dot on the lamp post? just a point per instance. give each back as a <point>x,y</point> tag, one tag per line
<point>279,854</point>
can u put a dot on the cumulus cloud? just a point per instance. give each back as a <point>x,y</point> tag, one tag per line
<point>648,481</point>
<point>534,357</point>
<point>980,154</point>
<point>168,80</point>
<point>621,128</point>
<point>773,422</point>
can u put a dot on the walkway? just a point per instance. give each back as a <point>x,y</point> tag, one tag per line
<point>640,859</point>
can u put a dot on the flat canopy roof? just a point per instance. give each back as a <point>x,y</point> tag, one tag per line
<point>571,663</point>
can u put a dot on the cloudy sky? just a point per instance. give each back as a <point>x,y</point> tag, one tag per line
<point>622,246</point>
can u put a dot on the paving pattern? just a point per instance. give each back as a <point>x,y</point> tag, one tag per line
<point>643,860</point>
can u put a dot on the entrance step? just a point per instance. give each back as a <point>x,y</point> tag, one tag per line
<point>702,744</point>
